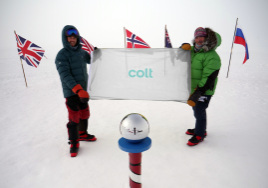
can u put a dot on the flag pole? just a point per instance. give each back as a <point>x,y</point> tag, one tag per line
<point>232,48</point>
<point>125,44</point>
<point>165,35</point>
<point>23,72</point>
<point>22,66</point>
<point>125,37</point>
<point>165,51</point>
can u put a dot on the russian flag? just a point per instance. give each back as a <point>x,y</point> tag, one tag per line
<point>240,39</point>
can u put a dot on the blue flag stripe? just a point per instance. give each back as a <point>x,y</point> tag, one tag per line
<point>239,33</point>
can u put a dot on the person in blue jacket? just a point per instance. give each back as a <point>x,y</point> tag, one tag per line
<point>71,63</point>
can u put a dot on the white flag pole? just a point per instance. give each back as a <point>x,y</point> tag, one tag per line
<point>165,35</point>
<point>125,43</point>
<point>165,51</point>
<point>232,48</point>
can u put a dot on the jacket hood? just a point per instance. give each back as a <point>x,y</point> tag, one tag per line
<point>65,43</point>
<point>213,40</point>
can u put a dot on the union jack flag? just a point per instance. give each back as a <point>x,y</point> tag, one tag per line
<point>29,52</point>
<point>167,40</point>
<point>86,46</point>
<point>133,41</point>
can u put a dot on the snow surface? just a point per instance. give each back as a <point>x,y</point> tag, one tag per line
<point>34,150</point>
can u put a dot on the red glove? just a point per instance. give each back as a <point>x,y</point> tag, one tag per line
<point>83,95</point>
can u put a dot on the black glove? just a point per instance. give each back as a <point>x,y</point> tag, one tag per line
<point>95,48</point>
<point>186,46</point>
<point>193,99</point>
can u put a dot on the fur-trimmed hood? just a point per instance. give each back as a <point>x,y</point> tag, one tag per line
<point>213,40</point>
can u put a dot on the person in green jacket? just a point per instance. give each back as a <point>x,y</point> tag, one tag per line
<point>71,63</point>
<point>205,67</point>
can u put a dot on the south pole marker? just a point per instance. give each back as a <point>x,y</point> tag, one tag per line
<point>134,128</point>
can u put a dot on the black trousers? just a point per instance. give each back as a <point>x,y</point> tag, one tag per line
<point>201,116</point>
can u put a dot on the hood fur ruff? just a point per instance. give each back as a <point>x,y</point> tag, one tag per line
<point>210,41</point>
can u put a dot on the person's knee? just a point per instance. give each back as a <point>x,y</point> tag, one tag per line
<point>200,115</point>
<point>72,104</point>
<point>74,116</point>
<point>84,113</point>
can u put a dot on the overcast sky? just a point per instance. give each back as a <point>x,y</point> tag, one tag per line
<point>101,22</point>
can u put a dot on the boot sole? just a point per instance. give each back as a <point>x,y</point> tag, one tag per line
<point>74,154</point>
<point>92,140</point>
<point>193,144</point>
<point>188,133</point>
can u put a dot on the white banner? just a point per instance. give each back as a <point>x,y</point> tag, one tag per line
<point>140,74</point>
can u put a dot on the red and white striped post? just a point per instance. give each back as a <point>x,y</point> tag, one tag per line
<point>135,170</point>
<point>134,129</point>
<point>135,155</point>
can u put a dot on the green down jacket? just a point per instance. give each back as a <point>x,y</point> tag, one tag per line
<point>206,64</point>
<point>72,65</point>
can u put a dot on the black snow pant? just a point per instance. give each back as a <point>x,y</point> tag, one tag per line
<point>201,116</point>
<point>78,114</point>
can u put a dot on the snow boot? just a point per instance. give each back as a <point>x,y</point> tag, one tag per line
<point>74,147</point>
<point>84,136</point>
<point>191,132</point>
<point>195,140</point>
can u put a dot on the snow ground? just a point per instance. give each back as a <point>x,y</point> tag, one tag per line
<point>34,150</point>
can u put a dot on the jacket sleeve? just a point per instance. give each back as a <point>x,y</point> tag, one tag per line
<point>88,58</point>
<point>211,68</point>
<point>64,70</point>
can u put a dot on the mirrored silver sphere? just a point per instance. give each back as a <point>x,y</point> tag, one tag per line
<point>134,127</point>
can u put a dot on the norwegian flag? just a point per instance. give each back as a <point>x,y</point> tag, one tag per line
<point>86,46</point>
<point>167,40</point>
<point>133,41</point>
<point>29,52</point>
